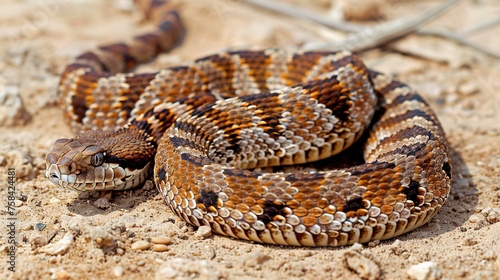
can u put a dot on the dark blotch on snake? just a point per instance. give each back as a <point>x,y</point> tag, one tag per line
<point>199,161</point>
<point>353,204</point>
<point>181,142</point>
<point>412,191</point>
<point>447,169</point>
<point>162,174</point>
<point>271,210</point>
<point>208,198</point>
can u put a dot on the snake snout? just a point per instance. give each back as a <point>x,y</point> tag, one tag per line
<point>53,174</point>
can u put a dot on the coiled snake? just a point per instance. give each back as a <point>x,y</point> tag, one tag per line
<point>212,126</point>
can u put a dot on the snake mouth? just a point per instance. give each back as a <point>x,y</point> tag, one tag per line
<point>119,179</point>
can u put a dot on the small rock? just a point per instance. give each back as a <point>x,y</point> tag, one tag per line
<point>255,259</point>
<point>4,248</point>
<point>356,247</point>
<point>492,215</point>
<point>424,271</point>
<point>159,247</point>
<point>61,247</point>
<point>148,186</point>
<point>102,203</point>
<point>361,265</point>
<point>140,245</point>
<point>38,241</point>
<point>54,200</point>
<point>360,10</point>
<point>397,247</point>
<point>18,203</point>
<point>204,232</point>
<point>59,273</point>
<point>470,241</point>
<point>373,243</point>
<point>161,240</point>
<point>180,268</point>
<point>474,218</point>
<point>75,228</point>
<point>40,226</point>
<point>118,271</point>
<point>12,111</point>
<point>468,88</point>
<point>166,272</point>
<point>103,238</point>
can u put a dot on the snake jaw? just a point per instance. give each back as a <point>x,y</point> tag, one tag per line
<point>93,161</point>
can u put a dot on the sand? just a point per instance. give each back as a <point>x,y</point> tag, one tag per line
<point>133,235</point>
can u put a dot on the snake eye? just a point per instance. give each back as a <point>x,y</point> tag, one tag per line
<point>97,159</point>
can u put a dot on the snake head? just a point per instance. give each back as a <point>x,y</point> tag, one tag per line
<point>101,160</point>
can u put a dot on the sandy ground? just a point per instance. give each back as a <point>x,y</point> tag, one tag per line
<point>40,37</point>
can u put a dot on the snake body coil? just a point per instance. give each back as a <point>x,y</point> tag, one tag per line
<point>214,126</point>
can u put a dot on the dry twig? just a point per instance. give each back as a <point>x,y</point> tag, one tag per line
<point>363,38</point>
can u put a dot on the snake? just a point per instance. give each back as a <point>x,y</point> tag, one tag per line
<point>214,133</point>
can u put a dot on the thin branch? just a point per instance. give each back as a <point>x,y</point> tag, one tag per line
<point>479,27</point>
<point>458,38</point>
<point>372,37</point>
<point>296,12</point>
<point>362,38</point>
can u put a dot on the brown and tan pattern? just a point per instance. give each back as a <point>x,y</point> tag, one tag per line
<point>209,128</point>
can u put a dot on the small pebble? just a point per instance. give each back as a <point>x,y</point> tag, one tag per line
<point>474,218</point>
<point>102,203</point>
<point>397,247</point>
<point>159,247</point>
<point>179,268</point>
<point>140,245</point>
<point>118,271</point>
<point>255,259</point>
<point>40,226</point>
<point>38,241</point>
<point>161,240</point>
<point>361,10</point>
<point>54,200</point>
<point>204,232</point>
<point>492,214</point>
<point>75,228</point>
<point>59,273</point>
<point>61,247</point>
<point>364,267</point>
<point>356,247</point>
<point>18,203</point>
<point>470,241</point>
<point>12,109</point>
<point>166,272</point>
<point>4,248</point>
<point>373,243</point>
<point>424,271</point>
<point>468,88</point>
<point>102,238</point>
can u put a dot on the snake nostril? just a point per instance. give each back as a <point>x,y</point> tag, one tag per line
<point>54,176</point>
